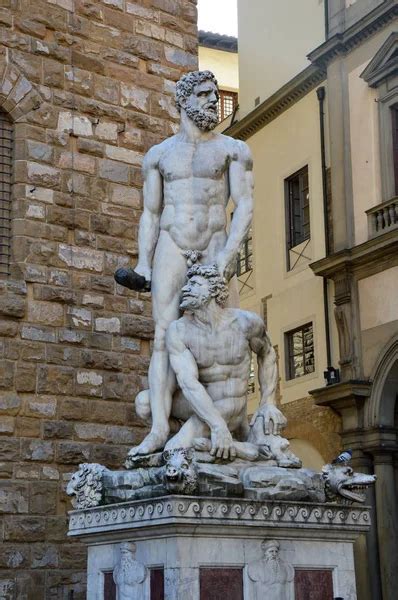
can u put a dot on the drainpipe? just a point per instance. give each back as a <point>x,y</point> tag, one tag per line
<point>321,94</point>
<point>326,5</point>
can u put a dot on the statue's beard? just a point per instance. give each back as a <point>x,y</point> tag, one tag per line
<point>206,120</point>
<point>193,302</point>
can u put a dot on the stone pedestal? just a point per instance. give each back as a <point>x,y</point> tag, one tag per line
<point>192,548</point>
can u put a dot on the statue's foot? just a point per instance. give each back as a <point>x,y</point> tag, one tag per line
<point>130,279</point>
<point>152,443</point>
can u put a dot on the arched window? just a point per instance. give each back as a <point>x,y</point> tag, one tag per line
<point>6,155</point>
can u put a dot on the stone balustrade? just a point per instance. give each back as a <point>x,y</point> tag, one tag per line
<point>383,217</point>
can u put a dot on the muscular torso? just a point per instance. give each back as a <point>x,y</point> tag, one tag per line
<point>196,191</point>
<point>223,356</point>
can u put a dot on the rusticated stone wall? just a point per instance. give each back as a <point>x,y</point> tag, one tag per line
<point>89,86</point>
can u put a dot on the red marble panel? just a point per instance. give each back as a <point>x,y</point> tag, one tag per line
<point>313,584</point>
<point>157,584</point>
<point>221,584</point>
<point>109,586</point>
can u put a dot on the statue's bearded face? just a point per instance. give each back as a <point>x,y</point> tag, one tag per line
<point>195,293</point>
<point>201,105</point>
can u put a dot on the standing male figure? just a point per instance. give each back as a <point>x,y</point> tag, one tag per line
<point>188,180</point>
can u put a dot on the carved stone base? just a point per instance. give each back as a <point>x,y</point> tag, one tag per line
<point>185,546</point>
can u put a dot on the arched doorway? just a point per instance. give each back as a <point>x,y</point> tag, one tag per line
<point>380,440</point>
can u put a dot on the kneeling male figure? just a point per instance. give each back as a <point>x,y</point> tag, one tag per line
<point>210,352</point>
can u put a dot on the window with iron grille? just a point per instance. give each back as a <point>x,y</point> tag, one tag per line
<point>226,104</point>
<point>244,261</point>
<point>298,208</point>
<point>6,148</point>
<point>394,112</point>
<point>300,351</point>
<point>251,385</point>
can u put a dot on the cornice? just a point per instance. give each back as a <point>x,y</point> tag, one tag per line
<point>276,104</point>
<point>341,43</point>
<point>179,512</point>
<point>372,253</point>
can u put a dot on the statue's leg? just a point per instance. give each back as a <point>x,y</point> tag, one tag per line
<point>168,277</point>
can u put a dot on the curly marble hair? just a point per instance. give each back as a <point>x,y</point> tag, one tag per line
<point>187,83</point>
<point>86,485</point>
<point>217,286</point>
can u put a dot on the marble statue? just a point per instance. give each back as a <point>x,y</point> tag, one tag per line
<point>183,472</point>
<point>188,181</point>
<point>210,349</point>
<point>271,575</point>
<point>129,575</point>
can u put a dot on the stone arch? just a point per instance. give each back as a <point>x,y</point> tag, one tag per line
<point>381,406</point>
<point>322,444</point>
<point>18,96</point>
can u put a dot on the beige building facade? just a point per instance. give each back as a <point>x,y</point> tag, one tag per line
<point>324,141</point>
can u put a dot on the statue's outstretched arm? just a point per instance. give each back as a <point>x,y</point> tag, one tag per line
<point>148,232</point>
<point>260,343</point>
<point>241,192</point>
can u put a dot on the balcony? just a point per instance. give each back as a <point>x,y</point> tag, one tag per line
<point>383,218</point>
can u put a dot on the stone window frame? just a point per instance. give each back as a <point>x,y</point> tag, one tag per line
<point>18,100</point>
<point>382,74</point>
<point>289,351</point>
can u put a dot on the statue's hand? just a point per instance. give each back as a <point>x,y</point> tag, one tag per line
<point>222,444</point>
<point>145,272</point>
<point>274,420</point>
<point>225,268</point>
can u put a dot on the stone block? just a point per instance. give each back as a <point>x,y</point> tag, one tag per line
<point>79,80</point>
<point>89,383</point>
<point>7,425</point>
<point>81,258</point>
<point>10,449</point>
<point>123,155</point>
<point>25,377</point>
<point>7,369</point>
<point>55,380</point>
<point>57,430</point>
<point>74,409</point>
<point>44,556</point>
<point>12,305</point>
<point>73,453</point>
<point>24,529</point>
<point>56,528</point>
<point>47,313</point>
<point>113,171</point>
<point>39,334</point>
<point>179,57</point>
<point>39,151</point>
<point>108,325</point>
<point>79,317</point>
<point>13,497</point>
<point>43,497</point>
<point>107,130</point>
<point>37,450</point>
<point>10,403</point>
<point>43,175</point>
<point>134,97</point>
<point>41,406</point>
<point>14,556</point>
<point>135,326</point>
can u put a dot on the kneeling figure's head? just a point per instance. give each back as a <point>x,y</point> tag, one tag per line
<point>204,284</point>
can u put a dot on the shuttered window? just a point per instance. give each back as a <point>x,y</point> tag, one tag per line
<point>6,151</point>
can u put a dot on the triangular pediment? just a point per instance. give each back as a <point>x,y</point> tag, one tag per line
<point>384,64</point>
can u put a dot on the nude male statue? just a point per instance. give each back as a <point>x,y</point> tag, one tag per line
<point>210,352</point>
<point>188,180</point>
